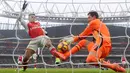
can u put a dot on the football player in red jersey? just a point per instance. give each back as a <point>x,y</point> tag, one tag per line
<point>38,38</point>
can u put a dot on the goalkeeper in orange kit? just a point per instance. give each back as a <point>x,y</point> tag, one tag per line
<point>99,48</point>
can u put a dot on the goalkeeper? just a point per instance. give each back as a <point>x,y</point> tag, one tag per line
<point>99,48</point>
<point>38,37</point>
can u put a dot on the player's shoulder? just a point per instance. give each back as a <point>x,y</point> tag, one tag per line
<point>95,21</point>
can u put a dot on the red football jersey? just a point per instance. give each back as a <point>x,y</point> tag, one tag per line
<point>35,29</point>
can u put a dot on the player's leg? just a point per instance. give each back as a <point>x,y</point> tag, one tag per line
<point>114,66</point>
<point>97,52</point>
<point>34,56</point>
<point>96,56</point>
<point>28,53</point>
<point>45,41</point>
<point>57,60</point>
<point>31,49</point>
<point>76,48</point>
<point>35,63</point>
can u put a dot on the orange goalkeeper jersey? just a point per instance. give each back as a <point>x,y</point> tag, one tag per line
<point>99,27</point>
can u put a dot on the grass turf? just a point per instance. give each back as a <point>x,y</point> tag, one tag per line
<point>56,70</point>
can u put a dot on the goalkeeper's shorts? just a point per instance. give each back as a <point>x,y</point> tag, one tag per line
<point>105,48</point>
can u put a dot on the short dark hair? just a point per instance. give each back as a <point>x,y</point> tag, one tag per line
<point>93,13</point>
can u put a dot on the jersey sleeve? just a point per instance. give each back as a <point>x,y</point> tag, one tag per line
<point>22,22</point>
<point>86,32</point>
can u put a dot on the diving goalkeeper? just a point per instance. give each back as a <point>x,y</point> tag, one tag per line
<point>99,48</point>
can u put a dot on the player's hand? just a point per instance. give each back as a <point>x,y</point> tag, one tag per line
<point>69,40</point>
<point>24,5</point>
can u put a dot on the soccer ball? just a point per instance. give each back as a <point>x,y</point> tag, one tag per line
<point>63,47</point>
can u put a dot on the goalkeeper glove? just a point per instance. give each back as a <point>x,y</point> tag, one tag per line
<point>23,8</point>
<point>68,40</point>
<point>24,5</point>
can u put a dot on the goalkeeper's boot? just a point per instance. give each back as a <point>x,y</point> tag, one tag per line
<point>118,68</point>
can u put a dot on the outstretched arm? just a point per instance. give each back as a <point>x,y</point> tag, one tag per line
<point>22,21</point>
<point>86,32</point>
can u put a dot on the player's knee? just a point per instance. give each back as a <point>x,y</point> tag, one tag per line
<point>48,43</point>
<point>91,59</point>
<point>88,60</point>
<point>82,43</point>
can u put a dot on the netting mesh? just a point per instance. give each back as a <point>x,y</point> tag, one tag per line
<point>69,14</point>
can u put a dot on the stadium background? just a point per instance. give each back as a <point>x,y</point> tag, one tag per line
<point>7,46</point>
<point>114,13</point>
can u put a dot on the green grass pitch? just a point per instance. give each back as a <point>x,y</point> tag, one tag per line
<point>56,70</point>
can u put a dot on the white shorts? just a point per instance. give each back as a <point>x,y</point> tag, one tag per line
<point>38,42</point>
